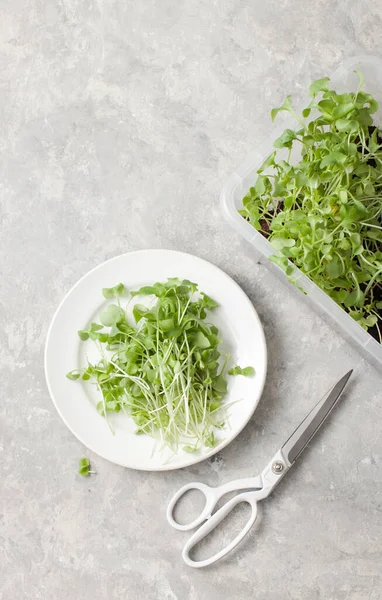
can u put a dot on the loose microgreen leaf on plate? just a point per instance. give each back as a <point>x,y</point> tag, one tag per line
<point>73,375</point>
<point>246,371</point>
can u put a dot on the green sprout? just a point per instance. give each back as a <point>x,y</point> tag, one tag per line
<point>161,367</point>
<point>84,467</point>
<point>322,211</point>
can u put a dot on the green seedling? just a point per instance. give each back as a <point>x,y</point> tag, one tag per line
<point>322,212</point>
<point>160,367</point>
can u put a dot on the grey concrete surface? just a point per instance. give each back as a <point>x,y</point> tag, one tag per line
<point>120,121</point>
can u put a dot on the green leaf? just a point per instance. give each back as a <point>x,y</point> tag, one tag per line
<point>120,289</point>
<point>355,298</point>
<point>320,85</point>
<point>280,261</point>
<point>208,302</point>
<point>83,334</point>
<point>146,290</point>
<point>259,188</point>
<point>167,324</point>
<point>343,109</point>
<point>201,341</point>
<point>279,242</point>
<point>373,105</point>
<point>95,335</point>
<point>343,196</point>
<point>113,292</point>
<point>270,161</point>
<point>285,140</point>
<point>210,441</point>
<point>301,179</point>
<point>339,296</point>
<point>174,333</point>
<point>193,286</point>
<point>362,277</point>
<point>73,375</point>
<point>112,315</point>
<point>333,158</point>
<point>219,384</point>
<point>356,315</point>
<point>369,189</point>
<point>278,188</point>
<point>334,268</point>
<point>371,320</point>
<point>347,125</point>
<point>314,181</point>
<point>327,107</point>
<point>364,117</point>
<point>182,290</point>
<point>286,105</point>
<point>189,449</point>
<point>246,371</point>
<point>139,311</point>
<point>108,293</point>
<point>84,467</point>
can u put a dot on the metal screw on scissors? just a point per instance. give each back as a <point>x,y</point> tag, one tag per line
<point>260,486</point>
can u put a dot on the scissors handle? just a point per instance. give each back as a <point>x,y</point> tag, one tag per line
<point>209,504</point>
<point>212,495</point>
<point>217,517</point>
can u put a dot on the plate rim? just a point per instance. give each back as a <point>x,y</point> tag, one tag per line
<point>226,441</point>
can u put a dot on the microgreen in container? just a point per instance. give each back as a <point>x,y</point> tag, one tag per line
<point>312,204</point>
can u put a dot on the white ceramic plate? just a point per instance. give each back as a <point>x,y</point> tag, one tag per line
<point>239,326</point>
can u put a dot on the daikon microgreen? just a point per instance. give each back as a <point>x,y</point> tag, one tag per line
<point>322,212</point>
<point>246,371</point>
<point>160,367</point>
<point>84,468</point>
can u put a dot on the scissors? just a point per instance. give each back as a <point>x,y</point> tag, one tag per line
<point>261,485</point>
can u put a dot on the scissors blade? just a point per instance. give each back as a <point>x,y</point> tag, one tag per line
<point>313,421</point>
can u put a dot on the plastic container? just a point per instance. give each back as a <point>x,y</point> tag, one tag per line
<point>238,184</point>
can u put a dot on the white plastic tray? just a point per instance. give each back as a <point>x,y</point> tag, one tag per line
<point>238,184</point>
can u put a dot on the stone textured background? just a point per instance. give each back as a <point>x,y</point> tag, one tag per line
<point>120,121</point>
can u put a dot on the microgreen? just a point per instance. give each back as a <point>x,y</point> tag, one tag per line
<point>84,468</point>
<point>73,375</point>
<point>322,211</point>
<point>246,371</point>
<point>114,292</point>
<point>160,367</point>
<point>189,449</point>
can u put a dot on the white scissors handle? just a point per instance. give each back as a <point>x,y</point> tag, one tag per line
<point>261,487</point>
<point>212,522</point>
<point>212,496</point>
